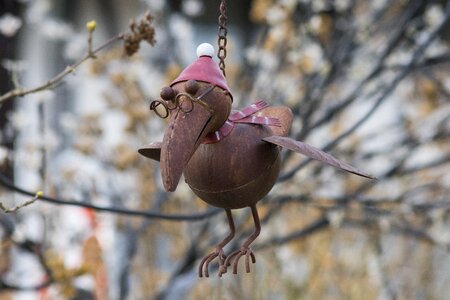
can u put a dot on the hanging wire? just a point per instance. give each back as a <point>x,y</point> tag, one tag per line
<point>222,33</point>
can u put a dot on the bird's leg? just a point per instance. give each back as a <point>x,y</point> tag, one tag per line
<point>245,248</point>
<point>203,268</point>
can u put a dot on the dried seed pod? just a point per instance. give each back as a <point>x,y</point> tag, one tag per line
<point>141,30</point>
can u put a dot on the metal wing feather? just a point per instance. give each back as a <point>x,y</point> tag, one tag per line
<point>152,151</point>
<point>314,153</point>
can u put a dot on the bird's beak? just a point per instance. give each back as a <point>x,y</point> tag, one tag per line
<point>181,139</point>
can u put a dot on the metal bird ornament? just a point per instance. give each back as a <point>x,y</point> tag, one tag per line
<point>230,159</point>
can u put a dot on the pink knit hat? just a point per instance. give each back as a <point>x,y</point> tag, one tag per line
<point>204,69</point>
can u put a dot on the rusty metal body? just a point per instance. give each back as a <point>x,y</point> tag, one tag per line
<point>236,172</point>
<point>230,159</point>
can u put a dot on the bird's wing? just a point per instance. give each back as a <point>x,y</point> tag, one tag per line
<point>314,153</point>
<point>283,114</point>
<point>152,150</point>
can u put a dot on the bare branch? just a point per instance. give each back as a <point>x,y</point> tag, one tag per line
<point>5,182</point>
<point>4,286</point>
<point>380,99</point>
<point>19,92</point>
<point>16,208</point>
<point>319,224</point>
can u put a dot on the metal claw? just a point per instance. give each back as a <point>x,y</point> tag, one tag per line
<point>204,264</point>
<point>238,254</point>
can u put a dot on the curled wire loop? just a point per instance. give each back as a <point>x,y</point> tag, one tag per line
<point>183,101</point>
<point>154,106</point>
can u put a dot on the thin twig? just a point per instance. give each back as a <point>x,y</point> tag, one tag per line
<point>426,63</point>
<point>16,208</point>
<point>19,92</point>
<point>91,52</point>
<point>317,225</point>
<point>90,26</point>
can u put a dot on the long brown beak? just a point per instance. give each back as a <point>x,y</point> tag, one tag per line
<point>181,139</point>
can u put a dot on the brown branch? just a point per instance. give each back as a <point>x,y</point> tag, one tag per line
<point>431,61</point>
<point>19,92</point>
<point>317,225</point>
<point>402,229</point>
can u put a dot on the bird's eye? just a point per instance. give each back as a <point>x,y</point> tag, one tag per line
<point>167,93</point>
<point>191,87</point>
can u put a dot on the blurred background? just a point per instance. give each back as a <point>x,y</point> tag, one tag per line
<point>367,81</point>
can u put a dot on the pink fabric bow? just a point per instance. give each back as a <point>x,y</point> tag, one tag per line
<point>245,115</point>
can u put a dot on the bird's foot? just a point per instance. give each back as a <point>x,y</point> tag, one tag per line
<point>204,264</point>
<point>244,251</point>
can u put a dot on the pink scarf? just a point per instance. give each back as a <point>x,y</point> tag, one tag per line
<point>245,115</point>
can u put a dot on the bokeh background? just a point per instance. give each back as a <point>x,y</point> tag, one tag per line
<point>367,81</point>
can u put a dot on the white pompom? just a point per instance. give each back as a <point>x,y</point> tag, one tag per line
<point>205,49</point>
